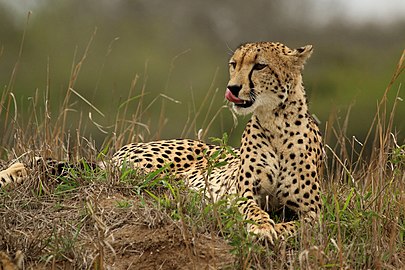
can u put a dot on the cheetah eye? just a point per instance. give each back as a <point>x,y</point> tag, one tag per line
<point>259,66</point>
<point>232,64</point>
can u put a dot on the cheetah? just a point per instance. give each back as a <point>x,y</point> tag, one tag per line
<point>278,165</point>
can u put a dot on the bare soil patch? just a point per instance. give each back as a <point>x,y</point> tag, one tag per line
<point>104,227</point>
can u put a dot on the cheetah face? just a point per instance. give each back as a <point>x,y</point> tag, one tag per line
<point>262,74</point>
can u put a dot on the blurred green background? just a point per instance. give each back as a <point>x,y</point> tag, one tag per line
<point>180,49</point>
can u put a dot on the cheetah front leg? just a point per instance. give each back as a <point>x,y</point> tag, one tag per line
<point>15,174</point>
<point>263,226</point>
<point>261,223</point>
<point>300,191</point>
<point>261,176</point>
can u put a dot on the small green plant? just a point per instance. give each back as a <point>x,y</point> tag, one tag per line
<point>397,158</point>
<point>76,175</point>
<point>67,183</point>
<point>61,244</point>
<point>123,203</point>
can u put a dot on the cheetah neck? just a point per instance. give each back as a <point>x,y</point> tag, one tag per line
<point>294,109</point>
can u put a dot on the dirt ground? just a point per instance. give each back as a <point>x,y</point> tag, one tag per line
<point>165,248</point>
<point>168,246</point>
<point>87,228</point>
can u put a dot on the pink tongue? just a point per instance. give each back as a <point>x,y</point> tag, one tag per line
<point>229,96</point>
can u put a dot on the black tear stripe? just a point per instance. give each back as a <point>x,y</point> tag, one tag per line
<point>251,84</point>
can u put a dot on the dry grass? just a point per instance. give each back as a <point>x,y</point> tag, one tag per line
<point>123,220</point>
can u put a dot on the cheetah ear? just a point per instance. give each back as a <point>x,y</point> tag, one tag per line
<point>302,54</point>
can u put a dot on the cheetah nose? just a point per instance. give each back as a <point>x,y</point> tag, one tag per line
<point>235,89</point>
<point>230,97</point>
<point>231,94</point>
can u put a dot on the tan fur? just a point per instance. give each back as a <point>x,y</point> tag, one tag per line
<point>7,263</point>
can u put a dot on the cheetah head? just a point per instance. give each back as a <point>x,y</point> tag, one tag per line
<point>261,75</point>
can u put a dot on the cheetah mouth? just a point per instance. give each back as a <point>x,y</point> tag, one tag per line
<point>237,101</point>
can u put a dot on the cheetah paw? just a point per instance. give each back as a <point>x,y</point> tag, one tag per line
<point>13,174</point>
<point>264,232</point>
